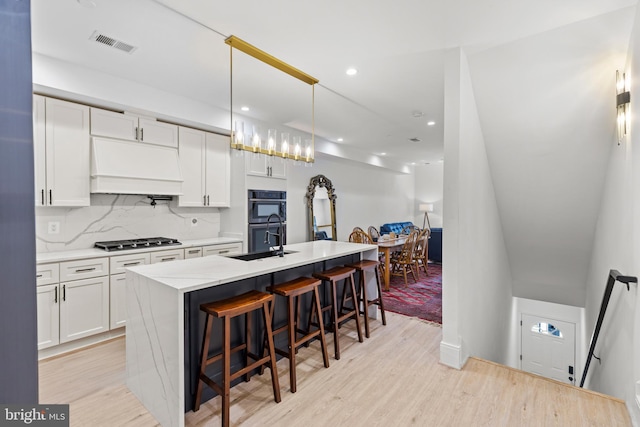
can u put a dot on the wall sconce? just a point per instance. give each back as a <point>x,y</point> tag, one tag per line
<point>426,208</point>
<point>255,143</point>
<point>623,98</point>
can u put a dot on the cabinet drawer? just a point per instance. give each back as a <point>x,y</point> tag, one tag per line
<point>120,262</point>
<point>165,256</point>
<point>226,249</point>
<point>84,269</point>
<point>47,274</point>
<point>192,253</point>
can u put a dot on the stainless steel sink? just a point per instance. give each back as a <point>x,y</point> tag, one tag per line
<point>257,255</point>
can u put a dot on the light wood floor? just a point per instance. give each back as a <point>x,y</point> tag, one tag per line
<point>392,379</point>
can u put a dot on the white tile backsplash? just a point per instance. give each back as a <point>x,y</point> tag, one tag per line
<point>119,216</point>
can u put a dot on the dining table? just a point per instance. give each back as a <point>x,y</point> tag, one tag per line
<point>387,246</point>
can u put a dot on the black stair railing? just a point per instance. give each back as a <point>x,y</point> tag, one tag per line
<point>614,276</point>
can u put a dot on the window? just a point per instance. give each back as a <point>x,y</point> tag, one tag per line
<point>546,329</point>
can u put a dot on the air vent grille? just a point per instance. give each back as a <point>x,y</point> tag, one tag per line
<point>97,36</point>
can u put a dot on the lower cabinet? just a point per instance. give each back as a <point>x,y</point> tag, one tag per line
<point>225,249</point>
<point>48,315</point>
<point>84,308</point>
<point>118,302</point>
<point>73,303</point>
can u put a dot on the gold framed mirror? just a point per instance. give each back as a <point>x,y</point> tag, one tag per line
<point>321,207</point>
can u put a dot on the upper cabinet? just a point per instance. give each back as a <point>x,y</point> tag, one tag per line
<point>205,163</point>
<point>267,166</point>
<point>132,128</point>
<point>61,152</point>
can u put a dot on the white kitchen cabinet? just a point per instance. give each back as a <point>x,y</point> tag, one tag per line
<point>117,300</point>
<point>266,166</point>
<point>84,269</point>
<point>224,249</point>
<point>117,285</point>
<point>61,152</point>
<point>205,161</point>
<point>48,314</point>
<point>192,253</point>
<point>166,256</point>
<point>84,308</point>
<point>131,127</point>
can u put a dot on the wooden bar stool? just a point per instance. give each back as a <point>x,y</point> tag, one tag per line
<point>338,314</point>
<point>227,309</point>
<point>292,290</point>
<point>362,267</point>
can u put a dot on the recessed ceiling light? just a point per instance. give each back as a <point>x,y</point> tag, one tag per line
<point>351,71</point>
<point>245,108</point>
<point>339,139</point>
<point>413,163</point>
<point>383,154</point>
<point>431,123</point>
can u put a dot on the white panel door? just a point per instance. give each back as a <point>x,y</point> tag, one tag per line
<point>278,167</point>
<point>218,170</point>
<point>160,133</point>
<point>256,164</point>
<point>67,153</point>
<point>192,162</point>
<point>113,125</point>
<point>39,149</point>
<point>48,316</point>
<point>118,300</point>
<point>84,308</point>
<point>548,348</point>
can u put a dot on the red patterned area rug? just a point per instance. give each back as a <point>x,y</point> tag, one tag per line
<point>422,299</point>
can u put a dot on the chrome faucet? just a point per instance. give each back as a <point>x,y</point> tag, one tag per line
<point>267,234</point>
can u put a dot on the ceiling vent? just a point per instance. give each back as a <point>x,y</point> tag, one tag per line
<point>98,37</point>
<point>415,139</point>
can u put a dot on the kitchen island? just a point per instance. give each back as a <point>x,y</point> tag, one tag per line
<point>164,325</point>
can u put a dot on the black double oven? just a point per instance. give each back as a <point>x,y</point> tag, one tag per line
<point>261,204</point>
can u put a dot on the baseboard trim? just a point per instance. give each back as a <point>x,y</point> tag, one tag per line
<point>452,355</point>
<point>78,344</point>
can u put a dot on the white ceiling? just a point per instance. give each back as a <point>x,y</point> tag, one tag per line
<point>542,74</point>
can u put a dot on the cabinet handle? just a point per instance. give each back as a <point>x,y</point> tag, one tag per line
<point>269,170</point>
<point>208,200</point>
<point>42,196</point>
<point>64,292</point>
<point>129,264</point>
<point>137,137</point>
<point>223,252</point>
<point>50,197</point>
<point>38,276</point>
<point>84,270</point>
<point>141,134</point>
<point>195,251</point>
<point>168,259</point>
<point>55,298</point>
<point>204,200</point>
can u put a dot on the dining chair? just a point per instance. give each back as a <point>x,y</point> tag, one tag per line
<point>421,251</point>
<point>403,260</point>
<point>373,233</point>
<point>359,236</point>
<point>409,228</point>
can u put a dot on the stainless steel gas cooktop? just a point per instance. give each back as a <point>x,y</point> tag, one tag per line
<point>151,242</point>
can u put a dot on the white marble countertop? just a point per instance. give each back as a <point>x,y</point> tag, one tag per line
<point>198,273</point>
<point>59,256</point>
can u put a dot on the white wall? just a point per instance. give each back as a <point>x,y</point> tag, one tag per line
<point>476,290</point>
<point>617,246</point>
<point>429,189</point>
<point>366,195</point>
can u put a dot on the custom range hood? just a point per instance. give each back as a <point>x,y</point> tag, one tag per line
<point>126,167</point>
